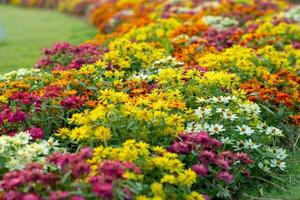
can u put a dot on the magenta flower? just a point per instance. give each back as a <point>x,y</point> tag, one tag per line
<point>58,195</point>
<point>224,164</point>
<point>31,196</point>
<point>243,157</point>
<point>225,176</point>
<point>200,170</point>
<point>18,116</point>
<point>36,133</point>
<point>207,156</point>
<point>72,102</point>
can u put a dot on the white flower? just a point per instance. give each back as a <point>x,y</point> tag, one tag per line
<point>274,131</point>
<point>140,76</point>
<point>195,127</point>
<point>233,98</point>
<point>279,153</point>
<point>229,115</point>
<point>201,100</point>
<point>14,164</point>
<point>222,110</point>
<point>244,130</point>
<point>203,112</point>
<point>226,140</point>
<point>52,143</point>
<point>215,129</point>
<point>251,108</point>
<point>261,127</point>
<point>201,127</point>
<point>190,127</point>
<point>278,163</point>
<point>264,166</point>
<point>220,99</point>
<point>249,144</point>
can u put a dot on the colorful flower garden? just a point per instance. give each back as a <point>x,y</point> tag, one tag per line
<point>172,99</point>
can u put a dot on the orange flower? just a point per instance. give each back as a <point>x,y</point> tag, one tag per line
<point>69,93</point>
<point>296,119</point>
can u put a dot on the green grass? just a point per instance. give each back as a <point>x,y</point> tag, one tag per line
<point>292,192</point>
<point>288,190</point>
<point>28,30</point>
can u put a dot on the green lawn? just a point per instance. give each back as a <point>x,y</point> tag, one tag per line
<point>28,30</point>
<point>288,190</point>
<point>292,191</point>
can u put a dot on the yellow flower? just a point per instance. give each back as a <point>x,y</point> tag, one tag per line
<point>81,133</point>
<point>3,99</point>
<point>143,198</point>
<point>157,189</point>
<point>63,133</point>
<point>79,119</point>
<point>102,133</point>
<point>132,176</point>
<point>187,177</point>
<point>171,179</point>
<point>128,55</point>
<point>194,196</point>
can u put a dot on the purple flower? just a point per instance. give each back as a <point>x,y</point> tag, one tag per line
<point>200,169</point>
<point>36,133</point>
<point>58,195</point>
<point>31,196</point>
<point>12,195</point>
<point>77,197</point>
<point>80,169</point>
<point>86,152</point>
<point>72,102</point>
<point>103,190</point>
<point>225,176</point>
<point>18,116</point>
<point>207,156</point>
<point>243,157</point>
<point>224,164</point>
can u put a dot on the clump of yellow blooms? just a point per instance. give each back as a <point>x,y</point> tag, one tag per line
<point>3,99</point>
<point>127,55</point>
<point>131,151</point>
<point>282,29</point>
<point>154,31</point>
<point>195,196</point>
<point>121,117</point>
<point>234,58</point>
<point>221,79</point>
<point>246,61</point>
<point>153,158</point>
<point>281,59</point>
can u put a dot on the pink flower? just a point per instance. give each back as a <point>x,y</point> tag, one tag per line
<point>225,176</point>
<point>207,156</point>
<point>244,157</point>
<point>31,196</point>
<point>200,170</point>
<point>72,102</point>
<point>58,195</point>
<point>36,133</point>
<point>224,164</point>
<point>18,116</point>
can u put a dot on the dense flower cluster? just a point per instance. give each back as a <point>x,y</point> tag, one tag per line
<point>63,56</point>
<point>171,100</point>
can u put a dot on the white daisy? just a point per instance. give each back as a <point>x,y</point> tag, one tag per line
<point>249,144</point>
<point>216,129</point>
<point>229,115</point>
<point>278,163</point>
<point>274,131</point>
<point>203,112</point>
<point>244,130</point>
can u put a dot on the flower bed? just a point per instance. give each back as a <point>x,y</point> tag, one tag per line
<point>171,100</point>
